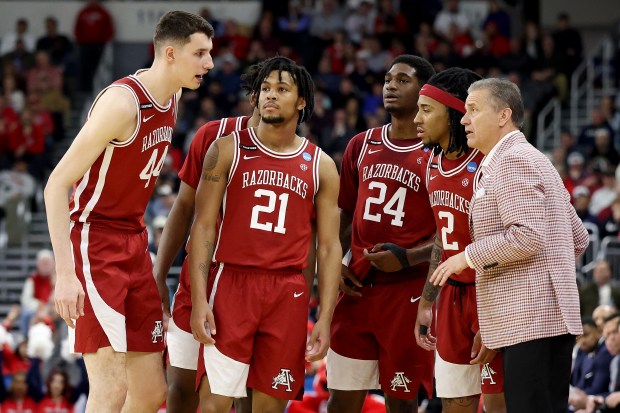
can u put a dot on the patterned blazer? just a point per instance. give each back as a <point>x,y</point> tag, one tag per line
<point>526,236</point>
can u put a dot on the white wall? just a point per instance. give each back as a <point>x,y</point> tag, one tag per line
<point>134,21</point>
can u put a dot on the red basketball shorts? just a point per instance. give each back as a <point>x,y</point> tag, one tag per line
<point>122,305</point>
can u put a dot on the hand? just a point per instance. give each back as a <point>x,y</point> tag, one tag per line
<point>425,318</point>
<point>164,295</point>
<point>201,320</point>
<point>613,400</point>
<point>318,343</point>
<point>69,298</point>
<point>480,353</point>
<point>346,274</point>
<point>453,265</point>
<point>592,404</point>
<point>384,261</point>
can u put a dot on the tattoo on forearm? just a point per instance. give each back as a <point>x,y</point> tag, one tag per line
<point>209,164</point>
<point>205,266</point>
<point>430,291</point>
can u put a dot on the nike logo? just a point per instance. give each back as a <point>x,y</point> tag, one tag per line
<point>413,300</point>
<point>145,119</point>
<point>433,177</point>
<point>370,151</point>
<point>296,295</point>
<point>250,157</point>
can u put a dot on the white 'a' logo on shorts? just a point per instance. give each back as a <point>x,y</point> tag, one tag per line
<point>284,378</point>
<point>487,374</point>
<point>400,380</point>
<point>158,332</point>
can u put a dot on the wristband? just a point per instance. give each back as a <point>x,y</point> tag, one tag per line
<point>423,329</point>
<point>399,252</point>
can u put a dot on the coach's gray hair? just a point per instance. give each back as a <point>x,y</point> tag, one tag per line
<point>503,94</point>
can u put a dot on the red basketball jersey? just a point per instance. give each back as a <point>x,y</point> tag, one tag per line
<point>192,167</point>
<point>451,185</point>
<point>115,190</point>
<point>382,184</point>
<point>269,205</point>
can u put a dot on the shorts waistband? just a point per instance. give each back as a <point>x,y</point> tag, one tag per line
<point>455,283</point>
<point>258,270</point>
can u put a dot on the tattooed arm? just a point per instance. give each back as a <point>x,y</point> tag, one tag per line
<point>216,167</point>
<point>429,294</point>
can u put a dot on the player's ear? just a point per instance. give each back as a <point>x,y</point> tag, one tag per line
<point>169,53</point>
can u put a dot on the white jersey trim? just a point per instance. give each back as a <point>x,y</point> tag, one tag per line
<point>364,146</point>
<point>78,192</point>
<point>148,94</point>
<point>274,154</point>
<point>459,168</point>
<point>138,122</point>
<point>315,170</point>
<point>103,170</point>
<point>386,141</point>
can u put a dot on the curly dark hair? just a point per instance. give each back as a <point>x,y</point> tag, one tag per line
<point>455,81</point>
<point>301,77</point>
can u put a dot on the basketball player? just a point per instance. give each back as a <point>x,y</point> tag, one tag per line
<point>384,201</point>
<point>181,346</point>
<point>452,173</point>
<point>104,272</point>
<point>269,183</point>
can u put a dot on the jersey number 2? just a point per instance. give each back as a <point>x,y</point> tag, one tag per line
<point>153,167</point>
<point>447,229</point>
<point>269,208</point>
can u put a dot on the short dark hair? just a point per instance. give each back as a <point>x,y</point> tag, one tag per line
<point>588,321</point>
<point>299,74</point>
<point>178,26</point>
<point>249,77</point>
<point>611,317</point>
<point>423,69</point>
<point>503,94</point>
<point>455,81</point>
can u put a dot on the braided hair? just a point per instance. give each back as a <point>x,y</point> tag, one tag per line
<point>299,74</point>
<point>455,81</point>
<point>249,77</point>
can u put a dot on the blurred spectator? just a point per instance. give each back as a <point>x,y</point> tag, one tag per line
<point>20,59</point>
<point>326,21</point>
<point>499,18</point>
<point>14,96</point>
<point>590,374</point>
<point>390,23</point>
<point>597,121</point>
<point>610,227</point>
<point>31,145</point>
<point>604,148</point>
<point>532,40</point>
<point>57,45</point>
<point>42,117</point>
<point>295,24</point>
<point>451,15</point>
<point>18,400</point>
<point>237,42</point>
<point>10,39</point>
<point>361,22</point>
<point>581,202</point>
<point>516,60</point>
<point>606,194</point>
<point>264,32</point>
<point>568,43</point>
<point>600,313</point>
<point>325,79</point>
<point>58,395</point>
<point>93,29</point>
<point>206,14</point>
<point>547,69</point>
<point>17,187</point>
<point>37,290</point>
<point>162,204</point>
<point>362,77</point>
<point>44,76</point>
<point>600,291</point>
<point>334,137</point>
<point>9,131</point>
<point>612,116</point>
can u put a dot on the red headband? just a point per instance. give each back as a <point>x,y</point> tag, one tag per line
<point>442,96</point>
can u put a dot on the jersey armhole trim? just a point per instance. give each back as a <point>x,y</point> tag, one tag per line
<point>128,142</point>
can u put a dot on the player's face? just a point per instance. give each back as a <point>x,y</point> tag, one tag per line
<point>400,89</point>
<point>278,101</point>
<point>195,60</point>
<point>481,121</point>
<point>432,122</point>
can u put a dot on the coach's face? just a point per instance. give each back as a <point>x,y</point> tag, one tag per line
<point>612,336</point>
<point>481,121</point>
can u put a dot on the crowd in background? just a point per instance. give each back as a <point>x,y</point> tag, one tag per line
<point>347,49</point>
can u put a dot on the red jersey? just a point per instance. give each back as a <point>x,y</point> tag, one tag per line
<point>451,185</point>
<point>192,167</point>
<point>25,405</point>
<point>269,205</point>
<point>48,405</point>
<point>382,185</point>
<point>115,190</point>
